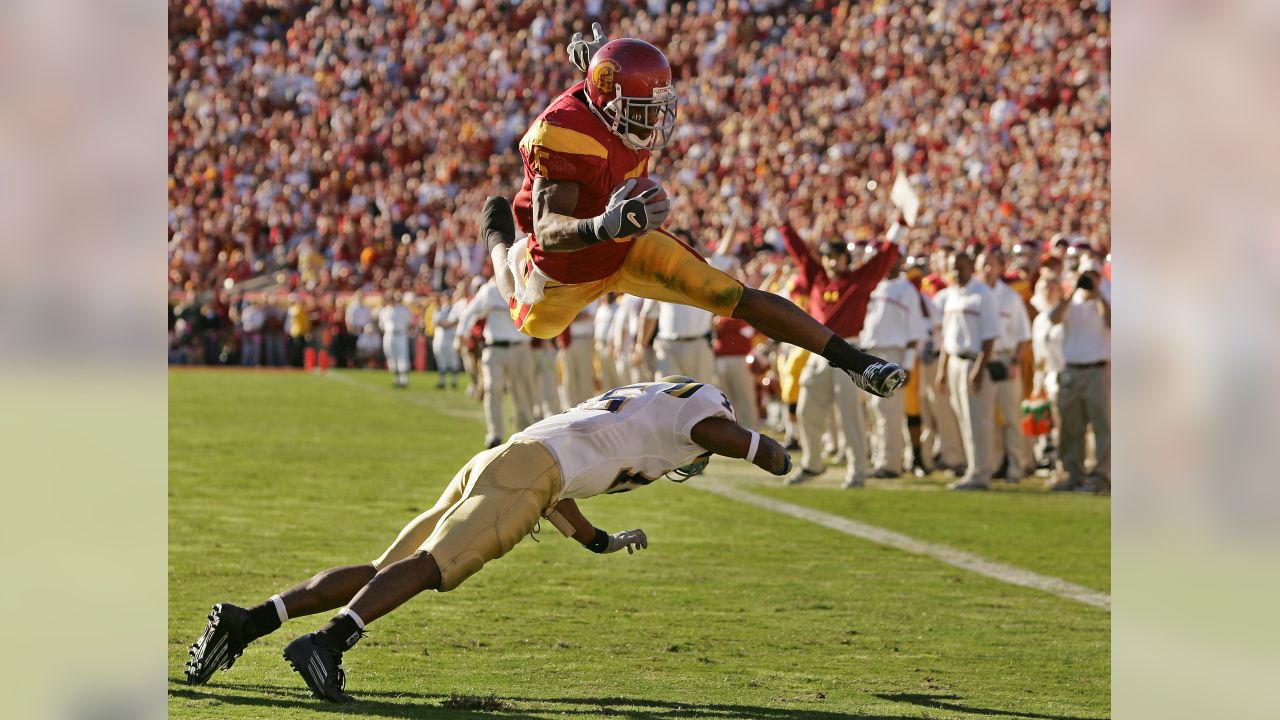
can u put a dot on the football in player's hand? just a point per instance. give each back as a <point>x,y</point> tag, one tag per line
<point>645,183</point>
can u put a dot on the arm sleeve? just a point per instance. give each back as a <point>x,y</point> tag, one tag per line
<point>809,268</point>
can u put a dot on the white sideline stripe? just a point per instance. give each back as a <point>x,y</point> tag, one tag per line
<point>955,558</point>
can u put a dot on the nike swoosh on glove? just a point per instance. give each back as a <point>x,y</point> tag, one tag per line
<point>629,539</point>
<point>624,217</point>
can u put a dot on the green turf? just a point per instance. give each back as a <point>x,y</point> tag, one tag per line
<point>733,612</point>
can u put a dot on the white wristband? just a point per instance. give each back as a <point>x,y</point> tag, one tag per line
<point>755,445</point>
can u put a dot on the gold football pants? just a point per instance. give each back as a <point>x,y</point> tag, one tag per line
<point>658,266</point>
<point>488,507</point>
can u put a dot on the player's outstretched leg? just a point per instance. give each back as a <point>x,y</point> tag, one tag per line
<point>317,656</point>
<point>497,230</point>
<point>781,320</point>
<point>231,628</point>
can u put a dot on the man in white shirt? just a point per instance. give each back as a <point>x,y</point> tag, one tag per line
<point>358,316</point>
<point>893,330</point>
<point>252,319</point>
<point>1084,386</point>
<point>506,363</point>
<point>939,429</point>
<point>576,359</point>
<point>1046,348</point>
<point>1012,342</point>
<point>633,366</point>
<point>619,441</point>
<point>447,315</point>
<point>683,342</point>
<point>394,320</point>
<point>970,326</point>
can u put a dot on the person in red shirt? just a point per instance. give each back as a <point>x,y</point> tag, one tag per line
<point>838,298</point>
<point>589,233</point>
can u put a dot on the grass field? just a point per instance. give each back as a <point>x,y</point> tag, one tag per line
<point>734,612</point>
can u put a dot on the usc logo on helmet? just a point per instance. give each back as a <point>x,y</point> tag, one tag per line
<point>603,77</point>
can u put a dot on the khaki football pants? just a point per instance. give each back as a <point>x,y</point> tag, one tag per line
<point>821,387</point>
<point>976,413</point>
<point>490,505</point>
<point>1008,439</point>
<point>739,386</point>
<point>940,431</point>
<point>546,398</point>
<point>507,369</point>
<point>609,376</point>
<point>692,358</point>
<point>889,416</point>
<point>578,379</point>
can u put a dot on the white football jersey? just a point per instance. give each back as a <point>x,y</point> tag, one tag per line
<point>629,436</point>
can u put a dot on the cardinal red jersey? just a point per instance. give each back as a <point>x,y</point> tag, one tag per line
<point>841,302</point>
<point>569,142</point>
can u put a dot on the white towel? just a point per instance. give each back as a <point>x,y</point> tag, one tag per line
<point>530,285</point>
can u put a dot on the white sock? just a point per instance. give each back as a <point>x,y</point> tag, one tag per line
<point>352,614</point>
<point>281,612</point>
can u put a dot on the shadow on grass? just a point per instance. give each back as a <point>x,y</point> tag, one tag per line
<point>940,702</point>
<point>431,705</point>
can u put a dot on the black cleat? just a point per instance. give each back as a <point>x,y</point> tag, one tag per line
<point>881,379</point>
<point>497,224</point>
<point>320,666</point>
<point>220,645</point>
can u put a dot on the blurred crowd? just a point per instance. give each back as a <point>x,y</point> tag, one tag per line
<point>343,145</point>
<point>327,159</point>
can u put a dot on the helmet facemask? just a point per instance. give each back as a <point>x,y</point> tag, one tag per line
<point>642,123</point>
<point>684,472</point>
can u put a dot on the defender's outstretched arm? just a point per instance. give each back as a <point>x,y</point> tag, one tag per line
<point>728,438</point>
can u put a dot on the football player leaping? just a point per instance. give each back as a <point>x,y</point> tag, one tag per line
<point>618,441</point>
<point>587,236</point>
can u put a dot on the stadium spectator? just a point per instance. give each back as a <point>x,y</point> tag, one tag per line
<point>395,321</point>
<point>577,348</point>
<point>447,315</point>
<point>892,330</point>
<point>970,326</point>
<point>506,363</point>
<point>252,318</point>
<point>681,339</point>
<point>1084,385</point>
<point>1011,447</point>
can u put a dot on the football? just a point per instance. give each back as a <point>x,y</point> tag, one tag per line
<point>644,183</point>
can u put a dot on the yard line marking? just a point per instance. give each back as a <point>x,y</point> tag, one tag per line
<point>955,558</point>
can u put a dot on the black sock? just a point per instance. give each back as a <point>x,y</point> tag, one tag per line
<point>845,356</point>
<point>341,633</point>
<point>263,620</point>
